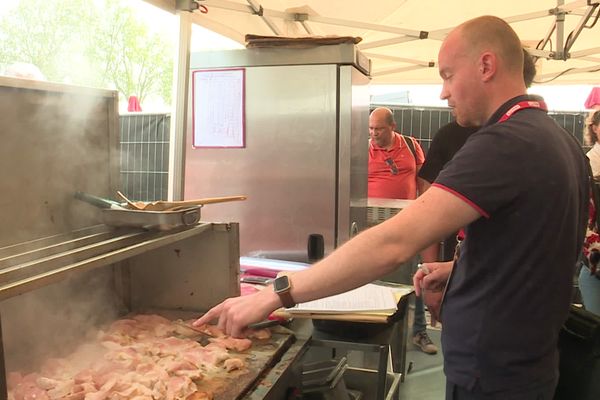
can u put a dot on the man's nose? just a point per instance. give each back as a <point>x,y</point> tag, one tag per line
<point>444,93</point>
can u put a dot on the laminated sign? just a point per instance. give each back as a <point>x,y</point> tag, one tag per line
<point>218,108</point>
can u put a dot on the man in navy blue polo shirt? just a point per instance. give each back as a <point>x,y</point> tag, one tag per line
<point>509,292</point>
<point>519,186</point>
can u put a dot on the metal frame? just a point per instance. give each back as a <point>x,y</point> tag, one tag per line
<point>392,340</point>
<point>583,8</point>
<point>23,272</point>
<point>563,46</point>
<point>179,114</point>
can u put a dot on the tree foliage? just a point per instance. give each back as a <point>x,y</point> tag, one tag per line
<point>97,43</point>
<point>39,33</point>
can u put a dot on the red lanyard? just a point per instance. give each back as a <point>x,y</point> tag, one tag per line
<point>523,105</point>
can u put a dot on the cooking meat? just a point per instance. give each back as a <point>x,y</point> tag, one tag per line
<point>225,341</point>
<point>260,334</point>
<point>179,387</point>
<point>145,357</point>
<point>233,363</point>
<point>26,388</point>
<point>211,330</point>
<point>200,396</point>
<point>231,343</point>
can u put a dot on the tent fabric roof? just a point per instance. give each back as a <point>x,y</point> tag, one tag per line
<point>402,37</point>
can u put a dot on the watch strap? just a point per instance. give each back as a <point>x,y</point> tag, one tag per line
<point>287,299</point>
<point>284,294</point>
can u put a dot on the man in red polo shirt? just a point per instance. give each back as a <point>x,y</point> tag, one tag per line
<point>394,162</point>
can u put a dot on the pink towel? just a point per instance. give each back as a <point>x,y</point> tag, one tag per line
<point>593,99</point>
<point>134,104</point>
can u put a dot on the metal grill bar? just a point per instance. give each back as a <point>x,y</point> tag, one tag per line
<point>47,251</point>
<point>36,244</point>
<point>19,279</point>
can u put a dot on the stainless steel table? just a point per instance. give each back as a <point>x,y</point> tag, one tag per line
<point>381,339</point>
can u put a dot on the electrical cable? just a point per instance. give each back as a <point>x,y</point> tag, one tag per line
<point>568,41</point>
<point>556,76</point>
<point>537,46</point>
<point>562,73</point>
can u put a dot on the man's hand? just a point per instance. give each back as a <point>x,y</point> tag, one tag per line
<point>236,313</point>
<point>430,282</point>
<point>433,301</point>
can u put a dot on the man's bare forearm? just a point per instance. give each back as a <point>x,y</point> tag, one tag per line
<point>431,253</point>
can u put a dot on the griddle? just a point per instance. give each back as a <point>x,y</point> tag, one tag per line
<point>260,358</point>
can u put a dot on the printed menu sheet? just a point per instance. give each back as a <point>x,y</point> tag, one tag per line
<point>218,108</point>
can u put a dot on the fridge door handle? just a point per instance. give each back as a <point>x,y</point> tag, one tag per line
<point>353,229</point>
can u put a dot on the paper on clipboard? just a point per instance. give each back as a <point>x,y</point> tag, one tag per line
<point>370,316</point>
<point>367,298</point>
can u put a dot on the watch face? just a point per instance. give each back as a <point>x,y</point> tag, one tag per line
<point>281,283</point>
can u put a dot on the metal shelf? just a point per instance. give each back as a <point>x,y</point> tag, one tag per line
<point>41,262</point>
<point>362,379</point>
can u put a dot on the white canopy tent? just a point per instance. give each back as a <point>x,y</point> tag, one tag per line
<point>402,37</point>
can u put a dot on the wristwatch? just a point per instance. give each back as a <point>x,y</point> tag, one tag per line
<point>282,287</point>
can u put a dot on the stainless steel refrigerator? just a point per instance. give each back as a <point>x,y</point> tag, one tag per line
<point>303,164</point>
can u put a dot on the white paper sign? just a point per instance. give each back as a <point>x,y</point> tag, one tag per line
<point>218,108</point>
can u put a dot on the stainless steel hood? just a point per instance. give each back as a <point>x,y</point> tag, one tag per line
<point>340,54</point>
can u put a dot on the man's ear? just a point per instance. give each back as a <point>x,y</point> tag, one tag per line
<point>487,65</point>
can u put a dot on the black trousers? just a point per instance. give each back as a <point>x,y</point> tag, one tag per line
<point>540,391</point>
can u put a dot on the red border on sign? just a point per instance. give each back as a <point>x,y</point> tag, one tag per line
<point>243,122</point>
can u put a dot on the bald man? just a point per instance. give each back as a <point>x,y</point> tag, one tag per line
<point>394,162</point>
<point>445,144</point>
<point>519,186</point>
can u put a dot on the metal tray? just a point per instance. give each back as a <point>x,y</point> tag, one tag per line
<point>157,220</point>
